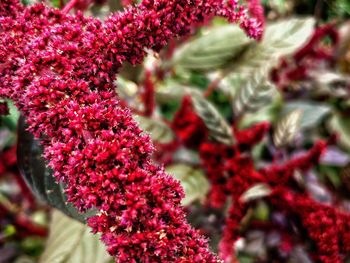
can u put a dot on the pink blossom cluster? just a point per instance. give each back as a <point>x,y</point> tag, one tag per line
<point>59,70</point>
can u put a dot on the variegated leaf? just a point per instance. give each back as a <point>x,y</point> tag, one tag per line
<point>212,50</point>
<point>158,130</point>
<point>192,180</point>
<point>340,125</point>
<point>287,128</point>
<point>313,112</point>
<point>219,129</point>
<point>253,94</point>
<point>72,242</point>
<point>280,39</point>
<point>255,192</point>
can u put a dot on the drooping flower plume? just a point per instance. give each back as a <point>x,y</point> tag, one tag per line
<point>59,70</point>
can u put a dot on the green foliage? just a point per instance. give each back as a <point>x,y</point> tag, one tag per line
<point>248,74</point>
<point>261,211</point>
<point>287,128</point>
<point>32,246</point>
<point>192,180</point>
<point>268,113</point>
<point>212,50</point>
<point>341,125</point>
<point>255,192</point>
<point>338,8</point>
<point>72,242</point>
<point>280,39</point>
<point>219,129</point>
<point>313,113</point>
<point>158,130</point>
<point>11,119</point>
<point>245,64</point>
<point>252,95</point>
<point>39,176</point>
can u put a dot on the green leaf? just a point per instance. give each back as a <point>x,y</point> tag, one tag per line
<point>268,113</point>
<point>192,180</point>
<point>11,119</point>
<point>255,192</point>
<point>280,39</point>
<point>38,176</point>
<point>125,88</point>
<point>287,128</point>
<point>165,93</point>
<point>158,130</point>
<point>341,126</point>
<point>261,211</point>
<point>252,95</point>
<point>333,174</point>
<point>219,129</point>
<point>72,242</point>
<point>251,69</point>
<point>212,50</point>
<point>328,83</point>
<point>313,113</point>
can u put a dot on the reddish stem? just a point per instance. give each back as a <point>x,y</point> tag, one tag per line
<point>24,189</point>
<point>69,6</point>
<point>148,94</point>
<point>60,4</point>
<point>30,228</point>
<point>212,86</point>
<point>25,227</point>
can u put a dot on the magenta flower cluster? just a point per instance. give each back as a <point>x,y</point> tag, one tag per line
<point>59,70</point>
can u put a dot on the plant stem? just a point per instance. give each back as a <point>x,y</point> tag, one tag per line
<point>212,86</point>
<point>69,6</point>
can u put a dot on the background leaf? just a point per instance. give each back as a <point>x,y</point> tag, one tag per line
<point>255,192</point>
<point>313,112</point>
<point>192,180</point>
<point>213,49</point>
<point>287,128</point>
<point>219,129</point>
<point>158,130</point>
<point>280,39</point>
<point>341,125</point>
<point>72,242</point>
<point>252,95</point>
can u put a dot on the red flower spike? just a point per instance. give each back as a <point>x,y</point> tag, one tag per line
<point>231,231</point>
<point>188,126</point>
<point>253,135</point>
<point>325,225</point>
<point>256,10</point>
<point>281,174</point>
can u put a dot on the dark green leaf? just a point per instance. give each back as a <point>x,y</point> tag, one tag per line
<point>40,179</point>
